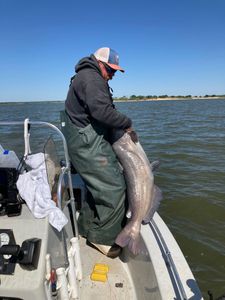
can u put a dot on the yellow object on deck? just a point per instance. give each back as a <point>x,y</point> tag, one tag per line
<point>101,268</point>
<point>100,272</point>
<point>99,276</point>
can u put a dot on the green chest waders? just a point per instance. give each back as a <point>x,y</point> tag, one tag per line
<point>102,216</point>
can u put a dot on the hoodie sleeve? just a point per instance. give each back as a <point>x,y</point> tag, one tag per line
<point>100,106</point>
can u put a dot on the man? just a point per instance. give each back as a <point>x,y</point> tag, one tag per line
<point>90,116</point>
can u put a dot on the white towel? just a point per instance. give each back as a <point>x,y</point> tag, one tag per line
<point>33,187</point>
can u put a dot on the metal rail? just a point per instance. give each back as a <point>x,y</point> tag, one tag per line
<point>65,170</point>
<point>178,286</point>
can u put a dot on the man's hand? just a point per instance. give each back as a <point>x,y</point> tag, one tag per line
<point>132,134</point>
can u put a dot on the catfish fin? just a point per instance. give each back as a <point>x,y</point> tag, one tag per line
<point>154,165</point>
<point>137,246</point>
<point>134,244</point>
<point>157,197</point>
<point>122,239</point>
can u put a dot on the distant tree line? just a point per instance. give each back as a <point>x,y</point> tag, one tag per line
<point>149,97</point>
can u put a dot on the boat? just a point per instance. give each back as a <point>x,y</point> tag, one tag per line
<point>39,262</point>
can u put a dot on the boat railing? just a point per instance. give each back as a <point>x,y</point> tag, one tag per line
<point>64,170</point>
<point>174,274</point>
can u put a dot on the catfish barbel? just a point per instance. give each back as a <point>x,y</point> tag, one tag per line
<point>143,195</point>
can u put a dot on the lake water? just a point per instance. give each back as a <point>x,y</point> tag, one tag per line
<point>188,137</point>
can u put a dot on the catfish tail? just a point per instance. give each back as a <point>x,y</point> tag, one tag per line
<point>133,241</point>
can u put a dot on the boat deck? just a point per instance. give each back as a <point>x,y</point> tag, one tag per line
<point>126,280</point>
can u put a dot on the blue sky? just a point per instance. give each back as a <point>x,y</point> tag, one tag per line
<point>174,47</point>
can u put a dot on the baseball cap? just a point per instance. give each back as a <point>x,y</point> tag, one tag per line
<point>108,56</point>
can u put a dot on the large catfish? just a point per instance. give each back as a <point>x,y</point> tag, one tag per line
<point>143,195</point>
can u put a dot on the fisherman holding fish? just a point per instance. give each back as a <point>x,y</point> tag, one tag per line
<point>89,118</point>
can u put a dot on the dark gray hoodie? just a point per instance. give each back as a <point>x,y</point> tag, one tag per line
<point>89,98</point>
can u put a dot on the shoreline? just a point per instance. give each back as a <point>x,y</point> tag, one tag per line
<point>168,99</point>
